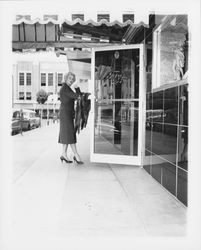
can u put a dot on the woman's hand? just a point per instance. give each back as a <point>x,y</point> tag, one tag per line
<point>75,85</point>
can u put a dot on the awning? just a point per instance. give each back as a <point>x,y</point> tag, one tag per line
<point>43,34</point>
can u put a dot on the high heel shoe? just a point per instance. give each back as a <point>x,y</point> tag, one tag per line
<point>78,162</point>
<point>64,159</point>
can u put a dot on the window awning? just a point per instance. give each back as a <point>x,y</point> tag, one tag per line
<point>50,33</point>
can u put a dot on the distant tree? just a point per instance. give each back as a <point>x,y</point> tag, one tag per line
<point>41,97</point>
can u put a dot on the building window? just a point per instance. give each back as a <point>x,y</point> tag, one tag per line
<point>50,79</point>
<point>46,17</point>
<point>60,78</point>
<point>21,95</point>
<point>21,79</point>
<point>43,79</point>
<point>103,16</point>
<point>80,16</point>
<point>28,95</point>
<point>27,17</point>
<point>127,17</point>
<point>28,78</point>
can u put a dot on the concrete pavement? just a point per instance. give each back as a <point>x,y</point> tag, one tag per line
<point>51,199</point>
<point>27,148</point>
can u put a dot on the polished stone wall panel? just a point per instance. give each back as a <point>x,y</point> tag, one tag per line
<point>166,138</point>
<point>156,172</point>
<point>147,168</point>
<point>182,186</point>
<point>171,105</point>
<point>183,147</point>
<point>183,105</point>
<point>169,177</point>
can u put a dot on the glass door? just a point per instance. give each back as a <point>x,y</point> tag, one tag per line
<point>117,104</point>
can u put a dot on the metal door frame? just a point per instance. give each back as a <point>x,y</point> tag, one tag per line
<point>113,158</point>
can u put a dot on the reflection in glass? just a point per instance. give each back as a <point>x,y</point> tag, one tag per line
<point>149,115</point>
<point>116,128</point>
<point>183,105</point>
<point>117,74</point>
<point>171,105</point>
<point>182,181</point>
<point>158,113</point>
<point>158,100</point>
<point>149,111</point>
<point>183,147</point>
<point>149,69</point>
<point>170,142</point>
<point>172,40</point>
<point>164,141</point>
<point>129,128</point>
<point>148,101</point>
<point>157,138</point>
<point>147,141</point>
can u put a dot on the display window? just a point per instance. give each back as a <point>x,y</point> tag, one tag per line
<point>170,51</point>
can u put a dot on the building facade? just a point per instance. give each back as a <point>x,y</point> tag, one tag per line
<point>139,81</point>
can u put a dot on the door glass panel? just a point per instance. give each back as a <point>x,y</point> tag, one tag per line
<point>117,103</point>
<point>117,74</point>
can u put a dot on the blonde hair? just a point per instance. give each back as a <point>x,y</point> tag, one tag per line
<point>68,74</point>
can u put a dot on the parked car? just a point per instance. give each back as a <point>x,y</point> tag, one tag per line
<point>15,126</point>
<point>24,119</point>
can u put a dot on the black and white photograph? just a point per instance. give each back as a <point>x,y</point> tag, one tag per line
<point>100,130</point>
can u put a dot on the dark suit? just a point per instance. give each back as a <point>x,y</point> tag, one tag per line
<point>67,133</point>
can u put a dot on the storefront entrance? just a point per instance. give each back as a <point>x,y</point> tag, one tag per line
<point>118,110</point>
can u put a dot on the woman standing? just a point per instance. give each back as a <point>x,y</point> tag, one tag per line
<point>67,133</point>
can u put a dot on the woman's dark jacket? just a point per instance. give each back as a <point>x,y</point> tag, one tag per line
<point>67,133</point>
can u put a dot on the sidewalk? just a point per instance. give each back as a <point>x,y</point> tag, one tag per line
<point>52,199</point>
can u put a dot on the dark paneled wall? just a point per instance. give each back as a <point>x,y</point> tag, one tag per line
<point>167,138</point>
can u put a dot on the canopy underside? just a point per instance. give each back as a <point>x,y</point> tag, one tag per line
<point>41,35</point>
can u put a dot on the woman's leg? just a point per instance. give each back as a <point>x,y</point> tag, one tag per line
<point>74,149</point>
<point>64,150</point>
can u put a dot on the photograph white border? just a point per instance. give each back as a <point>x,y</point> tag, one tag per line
<point>8,9</point>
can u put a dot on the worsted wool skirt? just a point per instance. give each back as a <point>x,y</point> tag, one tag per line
<point>67,133</point>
